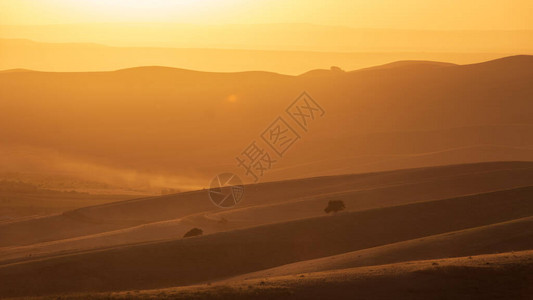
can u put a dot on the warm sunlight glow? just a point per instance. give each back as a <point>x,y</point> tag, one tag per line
<point>406,14</point>
<point>87,11</point>
<point>129,10</point>
<point>232,98</point>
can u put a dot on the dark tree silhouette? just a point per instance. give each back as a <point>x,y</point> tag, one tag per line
<point>336,69</point>
<point>334,206</point>
<point>193,232</point>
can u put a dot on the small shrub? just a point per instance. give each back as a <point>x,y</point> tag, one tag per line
<point>193,232</point>
<point>334,206</point>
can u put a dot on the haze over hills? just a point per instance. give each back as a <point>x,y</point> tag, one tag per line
<point>22,200</point>
<point>79,57</point>
<point>147,127</point>
<point>283,48</point>
<point>156,218</point>
<point>286,36</point>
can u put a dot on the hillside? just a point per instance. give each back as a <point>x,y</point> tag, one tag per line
<point>156,124</point>
<point>506,275</point>
<point>502,237</point>
<point>225,254</point>
<point>167,217</point>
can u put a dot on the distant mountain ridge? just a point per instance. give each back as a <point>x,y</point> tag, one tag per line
<point>83,57</point>
<point>509,61</point>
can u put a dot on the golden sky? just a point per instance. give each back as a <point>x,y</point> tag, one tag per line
<point>404,14</point>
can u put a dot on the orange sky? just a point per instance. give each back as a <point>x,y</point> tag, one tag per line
<point>408,14</point>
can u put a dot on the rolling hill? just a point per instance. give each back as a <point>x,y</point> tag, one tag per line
<point>502,237</point>
<point>146,127</point>
<point>471,277</point>
<point>395,216</point>
<point>166,217</point>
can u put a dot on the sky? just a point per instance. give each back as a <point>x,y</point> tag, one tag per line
<point>398,14</point>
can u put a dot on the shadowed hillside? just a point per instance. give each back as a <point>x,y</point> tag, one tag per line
<point>508,236</point>
<point>505,276</point>
<point>193,260</point>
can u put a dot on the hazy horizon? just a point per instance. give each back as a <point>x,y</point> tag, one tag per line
<point>454,14</point>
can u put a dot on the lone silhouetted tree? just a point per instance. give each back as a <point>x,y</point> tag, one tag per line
<point>193,232</point>
<point>334,206</point>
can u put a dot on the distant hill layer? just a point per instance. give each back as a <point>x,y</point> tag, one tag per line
<point>286,36</point>
<point>83,57</point>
